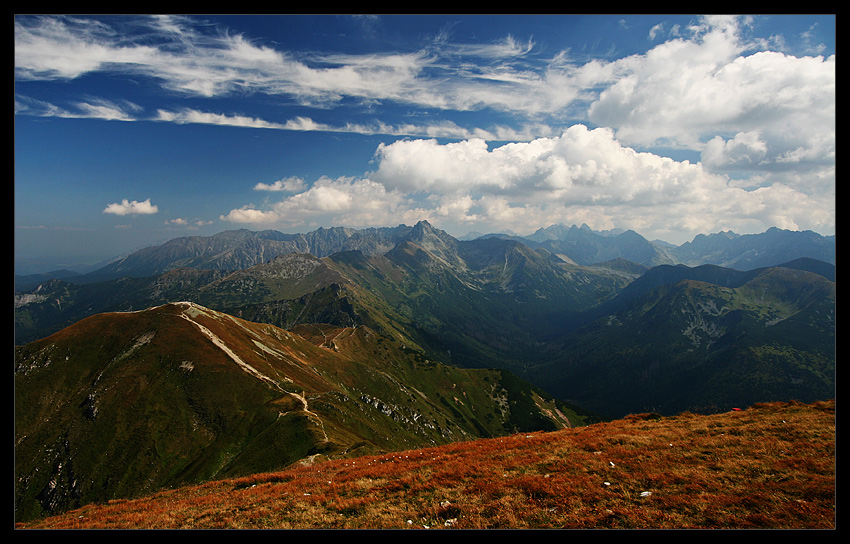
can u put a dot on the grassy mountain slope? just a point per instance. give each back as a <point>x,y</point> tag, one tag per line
<point>497,303</point>
<point>770,466</point>
<point>341,355</point>
<point>696,345</point>
<point>123,404</point>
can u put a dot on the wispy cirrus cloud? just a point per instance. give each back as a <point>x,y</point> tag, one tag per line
<point>127,111</point>
<point>191,116</point>
<point>92,108</point>
<point>183,60</point>
<point>440,129</point>
<point>186,61</point>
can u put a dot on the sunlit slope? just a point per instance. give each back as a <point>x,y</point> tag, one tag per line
<point>769,466</point>
<point>126,403</point>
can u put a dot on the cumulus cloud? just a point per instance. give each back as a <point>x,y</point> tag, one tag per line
<point>342,201</point>
<point>134,207</point>
<point>582,176</point>
<point>581,166</point>
<point>686,92</point>
<point>248,214</point>
<point>588,176</point>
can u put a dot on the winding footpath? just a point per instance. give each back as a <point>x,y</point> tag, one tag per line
<point>190,308</point>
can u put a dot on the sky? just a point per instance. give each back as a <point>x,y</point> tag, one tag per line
<point>136,129</point>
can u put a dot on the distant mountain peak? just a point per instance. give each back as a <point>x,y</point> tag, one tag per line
<point>425,226</point>
<point>423,230</point>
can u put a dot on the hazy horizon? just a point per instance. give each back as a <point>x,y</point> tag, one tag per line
<point>45,264</point>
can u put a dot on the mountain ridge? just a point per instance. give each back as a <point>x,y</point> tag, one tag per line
<point>125,403</point>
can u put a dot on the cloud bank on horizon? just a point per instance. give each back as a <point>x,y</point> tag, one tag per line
<point>508,134</point>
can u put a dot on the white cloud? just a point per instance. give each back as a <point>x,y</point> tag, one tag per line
<point>580,166</point>
<point>67,47</point>
<point>588,176</point>
<point>343,201</point>
<point>655,31</point>
<point>582,176</point>
<point>677,92</point>
<point>506,48</point>
<point>291,184</point>
<point>134,207</point>
<point>685,92</point>
<point>681,93</point>
<point>127,111</point>
<point>94,108</point>
<point>181,59</point>
<point>251,215</point>
<point>187,115</point>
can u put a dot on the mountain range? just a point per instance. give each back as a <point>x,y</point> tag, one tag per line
<point>238,249</point>
<point>263,349</point>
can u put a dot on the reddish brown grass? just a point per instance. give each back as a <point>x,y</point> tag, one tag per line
<point>771,466</point>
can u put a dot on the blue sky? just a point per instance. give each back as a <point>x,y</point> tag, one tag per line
<point>131,130</point>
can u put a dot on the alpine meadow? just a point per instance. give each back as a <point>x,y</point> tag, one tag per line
<point>427,271</point>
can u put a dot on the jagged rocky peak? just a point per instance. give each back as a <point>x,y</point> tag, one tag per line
<point>436,241</point>
<point>429,237</point>
<point>424,228</point>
